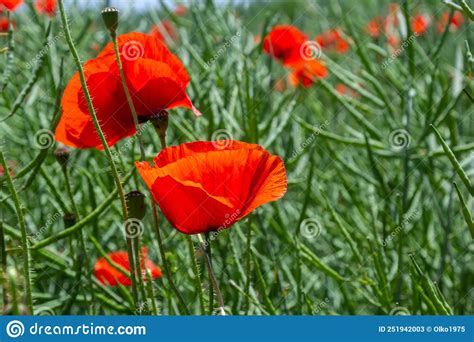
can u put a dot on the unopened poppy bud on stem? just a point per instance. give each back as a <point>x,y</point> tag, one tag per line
<point>160,122</point>
<point>62,156</point>
<point>110,17</point>
<point>136,204</point>
<point>69,219</point>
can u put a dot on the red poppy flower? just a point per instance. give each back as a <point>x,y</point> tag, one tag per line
<point>342,89</point>
<point>284,43</point>
<point>456,22</point>
<point>107,275</point>
<point>4,24</point>
<point>332,40</point>
<point>156,78</point>
<point>305,73</point>
<point>205,186</point>
<point>47,7</point>
<point>180,10</point>
<point>420,24</point>
<point>10,5</point>
<point>375,27</point>
<point>165,26</point>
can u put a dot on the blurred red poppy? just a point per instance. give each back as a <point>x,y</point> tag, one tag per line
<point>156,78</point>
<point>10,5</point>
<point>4,24</point>
<point>284,43</point>
<point>456,22</point>
<point>375,27</point>
<point>47,7</point>
<point>306,73</point>
<point>206,186</point>
<point>106,274</point>
<point>164,28</point>
<point>420,24</point>
<point>342,89</point>
<point>180,10</point>
<point>332,40</point>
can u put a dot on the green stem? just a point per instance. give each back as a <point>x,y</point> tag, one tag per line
<point>197,276</point>
<point>212,276</point>
<point>24,241</point>
<point>127,94</point>
<point>164,261</point>
<point>248,265</point>
<point>80,234</point>
<point>101,136</point>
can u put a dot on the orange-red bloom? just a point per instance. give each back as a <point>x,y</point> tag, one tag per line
<point>205,186</point>
<point>164,27</point>
<point>108,275</point>
<point>456,22</point>
<point>4,24</point>
<point>284,42</point>
<point>420,24</point>
<point>375,27</point>
<point>180,10</point>
<point>305,73</point>
<point>47,7</point>
<point>332,40</point>
<point>10,5</point>
<point>156,79</point>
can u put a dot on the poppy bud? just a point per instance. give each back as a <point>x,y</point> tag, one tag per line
<point>69,219</point>
<point>110,17</point>
<point>62,155</point>
<point>160,122</point>
<point>136,204</point>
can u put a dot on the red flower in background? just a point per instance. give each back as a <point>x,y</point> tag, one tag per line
<point>164,27</point>
<point>106,274</point>
<point>284,43</point>
<point>332,40</point>
<point>456,22</point>
<point>205,186</point>
<point>157,81</point>
<point>306,73</point>
<point>420,24</point>
<point>4,24</point>
<point>180,10</point>
<point>10,5</point>
<point>47,7</point>
<point>375,27</point>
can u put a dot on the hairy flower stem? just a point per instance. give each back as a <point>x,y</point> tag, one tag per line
<point>80,234</point>
<point>113,35</point>
<point>197,275</point>
<point>24,241</point>
<point>248,263</point>
<point>164,261</point>
<point>212,276</point>
<point>108,154</point>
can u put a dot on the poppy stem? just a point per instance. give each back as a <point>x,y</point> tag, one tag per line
<point>197,276</point>
<point>113,36</point>
<point>212,276</point>
<point>164,261</point>
<point>24,241</point>
<point>108,154</point>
